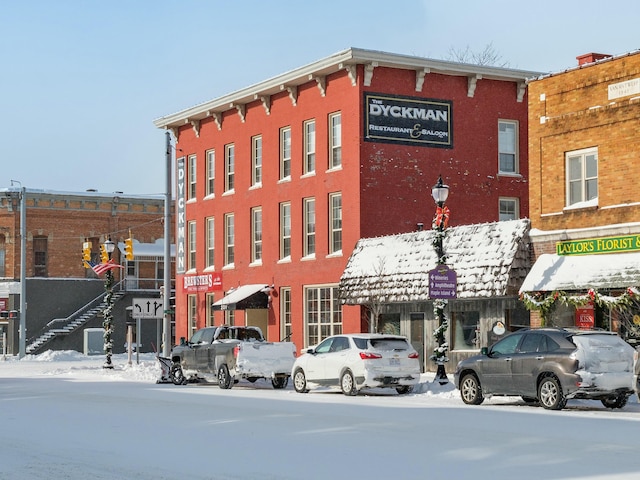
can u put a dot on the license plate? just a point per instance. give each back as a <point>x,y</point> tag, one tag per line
<point>394,362</point>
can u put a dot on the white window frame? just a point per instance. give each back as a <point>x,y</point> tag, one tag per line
<point>211,172</point>
<point>229,167</point>
<point>285,313</point>
<point>508,146</point>
<point>256,161</point>
<point>586,179</point>
<point>191,265</point>
<point>309,240</point>
<point>309,162</point>
<point>209,301</point>
<point>211,242</point>
<point>335,223</point>
<point>335,140</point>
<point>285,230</point>
<point>507,204</point>
<point>229,239</point>
<point>256,235</point>
<point>192,312</point>
<point>285,153</point>
<point>192,165</point>
<point>322,313</point>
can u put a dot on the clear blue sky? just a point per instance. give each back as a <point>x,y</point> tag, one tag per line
<point>82,81</point>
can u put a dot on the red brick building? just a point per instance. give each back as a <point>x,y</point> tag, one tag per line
<point>278,181</point>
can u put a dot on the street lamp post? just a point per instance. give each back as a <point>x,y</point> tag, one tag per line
<point>440,193</point>
<point>107,313</point>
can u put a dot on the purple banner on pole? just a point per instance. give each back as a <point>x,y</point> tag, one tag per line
<point>443,283</point>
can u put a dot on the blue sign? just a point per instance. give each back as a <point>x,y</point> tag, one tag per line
<point>443,283</point>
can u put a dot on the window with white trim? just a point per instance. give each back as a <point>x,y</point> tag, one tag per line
<point>191,191</point>
<point>256,160</point>
<point>508,147</point>
<point>229,239</point>
<point>229,167</point>
<point>582,176</point>
<point>509,209</point>
<point>335,140</point>
<point>211,172</point>
<point>309,241</point>
<point>323,313</point>
<point>285,230</point>
<point>335,222</point>
<point>285,312</point>
<point>309,164</point>
<point>192,245</point>
<point>285,153</point>
<point>210,242</point>
<point>192,313</point>
<point>256,234</point>
<point>210,300</point>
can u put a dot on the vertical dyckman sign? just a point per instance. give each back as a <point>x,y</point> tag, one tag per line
<point>408,120</point>
<point>180,220</point>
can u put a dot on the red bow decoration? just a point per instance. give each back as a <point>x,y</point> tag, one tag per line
<point>442,217</point>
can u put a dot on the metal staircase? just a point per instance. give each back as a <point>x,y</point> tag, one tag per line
<point>65,326</point>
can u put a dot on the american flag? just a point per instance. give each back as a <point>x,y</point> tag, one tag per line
<point>100,268</point>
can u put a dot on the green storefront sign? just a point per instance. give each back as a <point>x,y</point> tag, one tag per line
<point>590,246</point>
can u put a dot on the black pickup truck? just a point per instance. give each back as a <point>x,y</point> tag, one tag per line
<point>226,354</point>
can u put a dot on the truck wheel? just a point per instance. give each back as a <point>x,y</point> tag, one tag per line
<point>279,382</point>
<point>614,401</point>
<point>224,378</point>
<point>177,375</point>
<point>299,381</point>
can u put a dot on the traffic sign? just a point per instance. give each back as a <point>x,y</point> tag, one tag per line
<point>147,308</point>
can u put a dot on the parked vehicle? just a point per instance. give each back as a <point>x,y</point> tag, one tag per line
<point>550,366</point>
<point>356,361</point>
<point>226,354</point>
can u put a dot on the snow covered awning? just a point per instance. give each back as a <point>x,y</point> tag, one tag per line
<point>490,259</point>
<point>245,297</point>
<point>553,272</point>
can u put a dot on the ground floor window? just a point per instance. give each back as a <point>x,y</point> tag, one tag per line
<point>285,312</point>
<point>323,313</point>
<point>209,306</point>
<point>192,313</point>
<point>466,330</point>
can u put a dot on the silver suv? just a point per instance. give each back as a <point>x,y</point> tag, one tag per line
<point>550,366</point>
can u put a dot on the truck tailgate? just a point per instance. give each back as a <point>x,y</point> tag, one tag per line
<point>265,359</point>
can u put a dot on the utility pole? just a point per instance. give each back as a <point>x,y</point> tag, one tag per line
<point>166,316</point>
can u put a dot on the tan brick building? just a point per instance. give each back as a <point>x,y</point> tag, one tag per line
<point>584,200</point>
<point>57,224</point>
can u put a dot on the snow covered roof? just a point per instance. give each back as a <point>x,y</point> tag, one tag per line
<point>235,298</point>
<point>490,259</point>
<point>580,272</point>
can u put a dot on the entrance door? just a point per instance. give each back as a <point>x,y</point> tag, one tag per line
<point>258,317</point>
<point>416,335</point>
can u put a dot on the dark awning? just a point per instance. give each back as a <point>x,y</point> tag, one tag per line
<point>244,297</point>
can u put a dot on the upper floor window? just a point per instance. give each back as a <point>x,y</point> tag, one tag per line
<point>335,222</point>
<point>256,161</point>
<point>285,153</point>
<point>40,257</point>
<point>229,239</point>
<point>309,164</point>
<point>335,140</point>
<point>211,172</point>
<point>229,167</point>
<point>285,230</point>
<point>256,234</point>
<point>309,241</point>
<point>509,209</point>
<point>582,176</point>
<point>191,260</point>
<point>191,192</point>
<point>508,146</point>
<point>210,242</point>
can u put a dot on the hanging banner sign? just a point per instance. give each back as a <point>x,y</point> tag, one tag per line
<point>443,283</point>
<point>408,120</point>
<point>207,282</point>
<point>180,217</point>
<point>585,317</point>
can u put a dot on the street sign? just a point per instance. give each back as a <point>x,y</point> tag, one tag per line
<point>443,283</point>
<point>147,308</point>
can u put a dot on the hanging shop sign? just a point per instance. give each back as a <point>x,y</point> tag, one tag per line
<point>408,120</point>
<point>589,246</point>
<point>443,283</point>
<point>207,282</point>
<point>585,317</point>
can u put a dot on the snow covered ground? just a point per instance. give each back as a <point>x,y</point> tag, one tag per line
<point>64,417</point>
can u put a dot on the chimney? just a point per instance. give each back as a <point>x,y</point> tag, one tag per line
<point>591,58</point>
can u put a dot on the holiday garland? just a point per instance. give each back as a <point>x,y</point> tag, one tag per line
<point>545,302</point>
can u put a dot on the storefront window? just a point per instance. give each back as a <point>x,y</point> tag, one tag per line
<point>466,330</point>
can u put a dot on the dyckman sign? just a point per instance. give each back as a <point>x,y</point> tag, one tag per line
<point>408,120</point>
<point>626,243</point>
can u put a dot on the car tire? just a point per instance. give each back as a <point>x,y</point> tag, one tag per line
<point>280,382</point>
<point>300,381</point>
<point>224,378</point>
<point>348,384</point>
<point>404,389</point>
<point>470,390</point>
<point>615,401</point>
<point>177,375</point>
<point>550,393</point>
